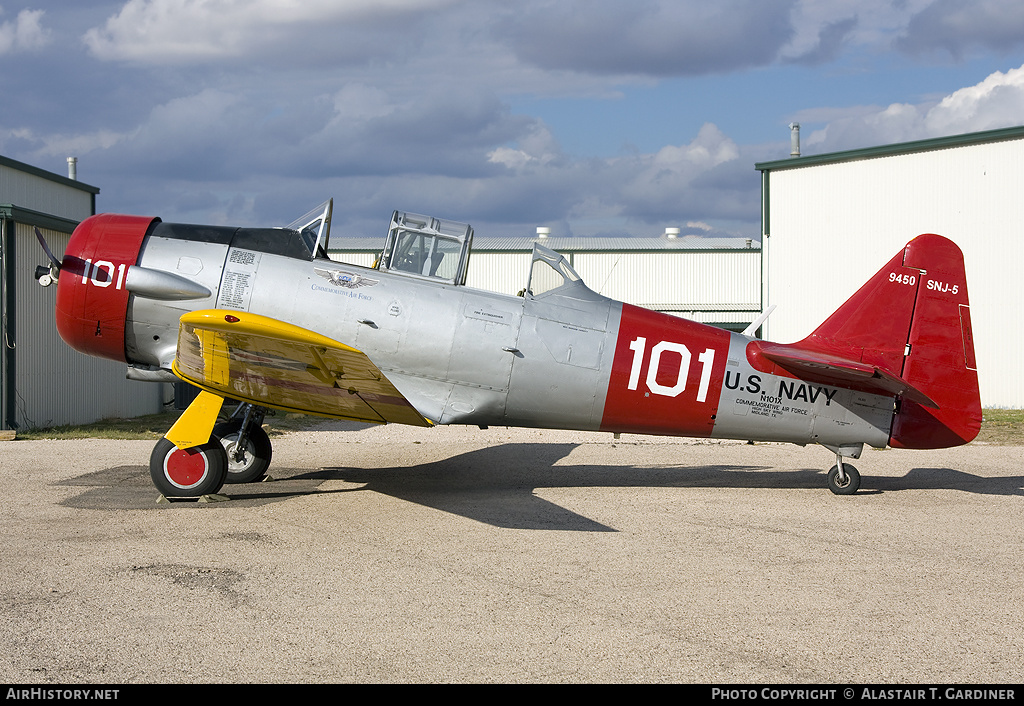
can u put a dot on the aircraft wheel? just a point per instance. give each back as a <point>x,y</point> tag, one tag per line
<point>852,480</point>
<point>256,457</point>
<point>188,473</point>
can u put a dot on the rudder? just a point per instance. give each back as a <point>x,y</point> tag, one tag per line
<point>941,359</point>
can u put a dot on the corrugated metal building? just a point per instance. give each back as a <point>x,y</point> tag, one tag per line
<point>43,382</point>
<point>830,221</point>
<point>711,280</point>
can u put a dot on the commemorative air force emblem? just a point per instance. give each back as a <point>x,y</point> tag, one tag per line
<point>340,278</point>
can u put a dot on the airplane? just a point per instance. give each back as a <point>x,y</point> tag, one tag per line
<point>264,318</point>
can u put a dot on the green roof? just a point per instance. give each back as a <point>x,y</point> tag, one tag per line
<point>10,212</point>
<point>937,143</point>
<point>581,244</point>
<point>51,176</point>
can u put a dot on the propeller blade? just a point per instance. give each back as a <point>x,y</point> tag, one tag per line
<point>49,253</point>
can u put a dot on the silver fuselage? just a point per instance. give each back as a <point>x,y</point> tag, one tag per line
<point>560,359</point>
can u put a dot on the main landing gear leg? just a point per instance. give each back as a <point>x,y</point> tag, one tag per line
<point>246,444</point>
<point>843,478</point>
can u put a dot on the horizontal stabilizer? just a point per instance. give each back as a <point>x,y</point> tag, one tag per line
<point>829,369</point>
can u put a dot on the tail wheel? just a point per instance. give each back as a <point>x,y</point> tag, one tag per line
<point>188,473</point>
<point>847,486</point>
<point>250,463</point>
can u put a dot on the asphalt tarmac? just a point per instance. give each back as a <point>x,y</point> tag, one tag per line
<point>398,554</point>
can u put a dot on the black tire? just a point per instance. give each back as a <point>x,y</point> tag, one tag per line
<point>258,452</point>
<point>852,480</point>
<point>188,473</point>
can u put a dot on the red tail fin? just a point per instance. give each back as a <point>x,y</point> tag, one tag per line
<point>906,332</point>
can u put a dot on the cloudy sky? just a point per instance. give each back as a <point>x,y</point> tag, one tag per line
<point>592,117</point>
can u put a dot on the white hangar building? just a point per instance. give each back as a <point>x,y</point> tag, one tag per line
<point>831,221</point>
<point>711,280</point>
<point>43,382</point>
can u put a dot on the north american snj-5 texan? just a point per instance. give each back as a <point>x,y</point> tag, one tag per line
<point>262,317</point>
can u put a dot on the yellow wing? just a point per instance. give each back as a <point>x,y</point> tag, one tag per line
<point>271,363</point>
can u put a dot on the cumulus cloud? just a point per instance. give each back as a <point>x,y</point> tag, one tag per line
<point>996,102</point>
<point>676,179</point>
<point>186,135</point>
<point>831,38</point>
<point>928,29</point>
<point>445,133</point>
<point>25,33</point>
<point>710,176</point>
<point>957,28</point>
<point>822,29</point>
<point>683,38</point>
<point>80,144</point>
<point>536,148</point>
<point>189,31</point>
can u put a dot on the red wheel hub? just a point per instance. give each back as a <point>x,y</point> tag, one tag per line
<point>185,468</point>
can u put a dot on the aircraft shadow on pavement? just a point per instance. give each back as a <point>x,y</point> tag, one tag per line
<point>497,485</point>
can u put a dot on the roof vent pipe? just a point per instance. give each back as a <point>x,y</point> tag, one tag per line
<point>73,168</point>
<point>543,232</point>
<point>794,139</point>
<point>671,232</point>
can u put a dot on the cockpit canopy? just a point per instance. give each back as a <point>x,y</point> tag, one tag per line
<point>428,247</point>
<point>549,271</point>
<point>314,228</point>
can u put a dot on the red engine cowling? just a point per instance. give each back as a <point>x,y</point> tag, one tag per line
<point>92,296</point>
